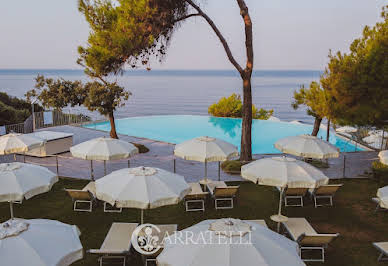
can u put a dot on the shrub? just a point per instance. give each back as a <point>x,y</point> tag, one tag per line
<point>141,147</point>
<point>380,170</point>
<point>232,107</point>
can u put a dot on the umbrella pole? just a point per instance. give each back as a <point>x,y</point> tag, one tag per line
<point>129,164</point>
<point>280,206</point>
<point>11,209</point>
<point>205,169</point>
<point>104,167</point>
<point>219,171</point>
<point>142,217</point>
<point>91,170</point>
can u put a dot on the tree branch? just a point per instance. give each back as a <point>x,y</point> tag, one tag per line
<point>219,35</point>
<point>188,16</point>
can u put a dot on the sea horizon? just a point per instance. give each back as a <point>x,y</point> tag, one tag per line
<point>173,92</point>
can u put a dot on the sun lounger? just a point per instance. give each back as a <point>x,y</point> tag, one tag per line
<point>195,196</point>
<point>165,230</point>
<point>117,243</point>
<point>325,191</point>
<point>222,193</point>
<point>304,234</point>
<point>293,193</point>
<point>260,222</point>
<point>383,248</point>
<point>86,195</point>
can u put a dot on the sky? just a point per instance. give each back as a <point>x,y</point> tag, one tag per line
<point>297,34</point>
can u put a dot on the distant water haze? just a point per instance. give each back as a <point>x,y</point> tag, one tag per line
<point>166,92</point>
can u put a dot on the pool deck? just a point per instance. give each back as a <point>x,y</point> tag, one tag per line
<point>161,156</point>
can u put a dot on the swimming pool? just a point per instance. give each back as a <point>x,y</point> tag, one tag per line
<point>178,128</point>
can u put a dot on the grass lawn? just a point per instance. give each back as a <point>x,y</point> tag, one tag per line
<point>353,217</point>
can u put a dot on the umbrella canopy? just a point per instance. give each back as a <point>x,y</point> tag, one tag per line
<point>142,188</point>
<point>104,149</point>
<point>383,155</point>
<point>307,146</point>
<point>18,143</point>
<point>346,129</point>
<point>382,194</point>
<point>21,180</point>
<point>283,172</point>
<point>242,243</point>
<point>205,149</point>
<point>39,242</point>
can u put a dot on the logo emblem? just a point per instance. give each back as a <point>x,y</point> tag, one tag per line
<point>145,239</point>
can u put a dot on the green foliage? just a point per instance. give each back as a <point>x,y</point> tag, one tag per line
<point>358,81</point>
<point>142,148</point>
<point>315,98</point>
<point>232,107</point>
<point>232,166</point>
<point>126,32</point>
<point>96,96</point>
<point>380,170</point>
<point>14,110</point>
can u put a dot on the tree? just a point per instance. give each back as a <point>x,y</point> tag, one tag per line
<point>96,96</point>
<point>128,32</point>
<point>232,107</point>
<point>153,22</point>
<point>317,101</point>
<point>358,81</point>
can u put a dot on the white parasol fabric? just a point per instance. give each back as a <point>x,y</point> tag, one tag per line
<point>346,129</point>
<point>104,149</point>
<point>202,246</point>
<point>21,180</point>
<point>205,149</point>
<point>307,146</point>
<point>383,155</point>
<point>382,194</point>
<point>142,188</point>
<point>18,143</point>
<point>283,172</point>
<point>39,242</point>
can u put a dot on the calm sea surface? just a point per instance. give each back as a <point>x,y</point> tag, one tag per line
<point>167,92</point>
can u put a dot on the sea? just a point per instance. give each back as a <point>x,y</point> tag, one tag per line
<point>175,92</point>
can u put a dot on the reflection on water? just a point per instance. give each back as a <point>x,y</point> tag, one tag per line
<point>230,127</point>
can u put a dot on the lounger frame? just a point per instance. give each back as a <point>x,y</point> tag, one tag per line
<point>189,209</point>
<point>383,253</point>
<point>115,210</point>
<point>319,194</point>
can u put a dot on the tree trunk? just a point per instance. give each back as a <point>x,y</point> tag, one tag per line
<point>113,133</point>
<point>328,130</point>
<point>317,124</point>
<point>246,73</point>
<point>246,131</point>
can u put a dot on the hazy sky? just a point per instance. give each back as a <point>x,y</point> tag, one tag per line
<point>288,34</point>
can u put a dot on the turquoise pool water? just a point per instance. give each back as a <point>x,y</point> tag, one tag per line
<point>179,128</point>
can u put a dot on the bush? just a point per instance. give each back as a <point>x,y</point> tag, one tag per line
<point>232,107</point>
<point>232,166</point>
<point>141,147</point>
<point>380,171</point>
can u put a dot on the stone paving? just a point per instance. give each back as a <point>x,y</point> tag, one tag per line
<point>161,156</point>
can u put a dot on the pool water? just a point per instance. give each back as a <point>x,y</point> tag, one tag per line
<point>178,128</point>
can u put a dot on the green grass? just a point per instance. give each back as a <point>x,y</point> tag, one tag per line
<point>353,217</point>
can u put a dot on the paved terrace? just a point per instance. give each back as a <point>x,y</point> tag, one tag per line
<point>161,156</point>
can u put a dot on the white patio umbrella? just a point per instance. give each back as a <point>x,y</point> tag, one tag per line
<point>21,180</point>
<point>104,149</point>
<point>307,146</point>
<point>346,129</point>
<point>382,194</point>
<point>383,155</point>
<point>18,143</point>
<point>142,188</point>
<point>39,242</point>
<point>206,149</point>
<point>283,172</point>
<point>228,242</point>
